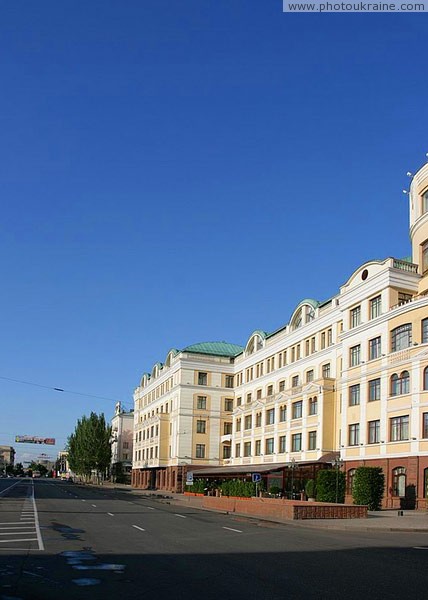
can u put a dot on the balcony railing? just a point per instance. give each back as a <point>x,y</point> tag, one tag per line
<point>403,265</point>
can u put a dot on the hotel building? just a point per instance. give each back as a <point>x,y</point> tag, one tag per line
<point>344,379</point>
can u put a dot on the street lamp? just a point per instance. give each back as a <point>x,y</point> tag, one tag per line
<point>292,465</point>
<point>337,464</point>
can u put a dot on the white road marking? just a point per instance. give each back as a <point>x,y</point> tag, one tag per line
<point>11,523</point>
<point>420,547</point>
<point>23,526</point>
<point>231,529</point>
<point>140,528</point>
<point>21,540</point>
<point>94,505</point>
<point>150,508</point>
<point>15,532</point>
<point>10,487</point>
<point>181,516</point>
<point>36,516</point>
<point>83,500</point>
<point>111,514</point>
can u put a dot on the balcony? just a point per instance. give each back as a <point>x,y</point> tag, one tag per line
<point>226,438</point>
<point>403,265</point>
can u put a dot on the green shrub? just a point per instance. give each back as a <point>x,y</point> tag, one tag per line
<point>274,490</point>
<point>368,487</point>
<point>330,484</point>
<point>310,488</point>
<point>243,489</point>
<point>198,486</point>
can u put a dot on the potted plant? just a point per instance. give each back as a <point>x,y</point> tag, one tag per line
<point>310,490</point>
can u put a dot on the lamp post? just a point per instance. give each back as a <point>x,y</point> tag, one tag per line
<point>292,465</point>
<point>337,464</point>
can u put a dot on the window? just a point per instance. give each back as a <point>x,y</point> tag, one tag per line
<point>282,443</point>
<point>258,449</point>
<point>226,451</point>
<point>309,376</point>
<point>296,442</point>
<point>201,402</point>
<point>400,384</point>
<point>229,381</point>
<point>247,449</point>
<point>350,481</point>
<point>249,397</point>
<point>399,428</point>
<point>282,413</point>
<point>425,331</point>
<point>248,422</point>
<point>374,432</point>
<point>401,337</point>
<point>329,337</point>
<point>295,381</point>
<point>270,416</point>
<point>375,350</point>
<point>425,203</point>
<point>200,450</point>
<point>269,446</point>
<point>239,401</point>
<point>202,378</point>
<point>355,316</point>
<point>354,434</point>
<point>425,425</point>
<point>238,424</point>
<point>404,298</point>
<point>270,390</point>
<point>323,340</point>
<point>282,383</point>
<point>228,405</point>
<point>258,419</point>
<point>313,346</point>
<point>258,394</point>
<point>355,355</point>
<point>237,450</point>
<point>307,348</point>
<point>125,445</point>
<point>313,406</point>
<point>375,307</point>
<point>326,371</point>
<point>297,410</point>
<point>374,389</point>
<point>426,378</point>
<point>399,482</point>
<point>201,426</point>
<point>354,395</point>
<point>424,260</point>
<point>227,429</point>
<point>312,440</point>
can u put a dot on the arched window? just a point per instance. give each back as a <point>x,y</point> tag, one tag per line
<point>405,382</point>
<point>394,385</point>
<point>426,378</point>
<point>400,384</point>
<point>399,482</point>
<point>350,481</point>
<point>401,337</point>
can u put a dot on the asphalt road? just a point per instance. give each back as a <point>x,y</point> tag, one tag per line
<point>80,542</point>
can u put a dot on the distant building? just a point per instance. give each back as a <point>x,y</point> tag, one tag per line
<point>122,425</point>
<point>7,457</point>
<point>63,467</point>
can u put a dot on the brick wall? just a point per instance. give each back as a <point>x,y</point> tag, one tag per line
<point>284,509</point>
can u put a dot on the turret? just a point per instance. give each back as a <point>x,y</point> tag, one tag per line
<point>419,224</point>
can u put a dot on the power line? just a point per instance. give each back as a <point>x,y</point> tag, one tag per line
<point>58,389</point>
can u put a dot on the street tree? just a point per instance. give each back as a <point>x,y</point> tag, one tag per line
<point>89,446</point>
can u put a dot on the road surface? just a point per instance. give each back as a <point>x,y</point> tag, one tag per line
<point>62,541</point>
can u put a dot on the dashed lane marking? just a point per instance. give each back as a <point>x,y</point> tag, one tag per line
<point>140,528</point>
<point>231,529</point>
<point>111,514</point>
<point>181,516</point>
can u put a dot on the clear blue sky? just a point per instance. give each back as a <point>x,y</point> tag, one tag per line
<point>176,172</point>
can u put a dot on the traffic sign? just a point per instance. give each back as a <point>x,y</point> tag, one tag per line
<point>189,478</point>
<point>256,477</point>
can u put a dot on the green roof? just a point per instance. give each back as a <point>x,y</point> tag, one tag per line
<point>215,349</point>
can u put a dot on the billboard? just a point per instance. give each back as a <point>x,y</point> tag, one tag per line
<point>32,439</point>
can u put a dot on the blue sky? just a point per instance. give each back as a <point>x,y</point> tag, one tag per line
<point>175,172</point>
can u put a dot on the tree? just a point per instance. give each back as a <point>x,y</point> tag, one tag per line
<point>330,486</point>
<point>368,487</point>
<point>89,446</point>
<point>18,469</point>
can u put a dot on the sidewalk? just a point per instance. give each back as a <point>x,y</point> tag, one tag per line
<point>386,520</point>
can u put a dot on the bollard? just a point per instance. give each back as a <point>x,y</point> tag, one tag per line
<point>400,513</point>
